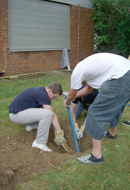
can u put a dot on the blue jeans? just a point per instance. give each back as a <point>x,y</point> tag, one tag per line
<point>108,106</point>
<point>79,109</point>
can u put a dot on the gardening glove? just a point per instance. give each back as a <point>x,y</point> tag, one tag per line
<point>64,99</point>
<point>79,133</point>
<point>60,140</point>
<point>66,104</point>
<point>76,127</point>
<point>59,137</point>
<point>64,94</point>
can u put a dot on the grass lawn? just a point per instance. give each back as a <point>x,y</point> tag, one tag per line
<point>113,174</point>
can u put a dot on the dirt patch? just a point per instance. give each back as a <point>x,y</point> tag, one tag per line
<point>19,161</point>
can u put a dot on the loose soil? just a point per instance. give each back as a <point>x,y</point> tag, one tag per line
<point>19,161</point>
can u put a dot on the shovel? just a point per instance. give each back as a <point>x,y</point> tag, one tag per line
<point>71,122</point>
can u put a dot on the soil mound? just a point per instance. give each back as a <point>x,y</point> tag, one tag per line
<point>19,161</point>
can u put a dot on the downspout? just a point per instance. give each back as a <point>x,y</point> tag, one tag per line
<point>78,31</point>
<point>5,60</point>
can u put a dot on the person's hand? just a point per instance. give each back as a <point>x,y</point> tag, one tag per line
<point>64,99</point>
<point>59,137</point>
<point>66,104</point>
<point>64,94</point>
<point>79,132</point>
<point>76,127</point>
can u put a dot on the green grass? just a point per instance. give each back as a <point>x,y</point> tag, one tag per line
<point>114,174</point>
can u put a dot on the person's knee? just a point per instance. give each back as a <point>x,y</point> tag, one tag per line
<point>50,113</point>
<point>13,118</point>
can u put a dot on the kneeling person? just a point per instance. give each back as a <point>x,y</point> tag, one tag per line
<point>79,105</point>
<point>27,108</point>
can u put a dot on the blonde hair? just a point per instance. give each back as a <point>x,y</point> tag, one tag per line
<point>55,87</point>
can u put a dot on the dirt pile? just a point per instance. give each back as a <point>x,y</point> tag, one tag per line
<point>18,160</point>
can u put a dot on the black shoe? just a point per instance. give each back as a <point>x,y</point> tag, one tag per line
<point>90,159</point>
<point>127,123</point>
<point>107,134</point>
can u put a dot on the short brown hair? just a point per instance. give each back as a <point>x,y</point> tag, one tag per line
<point>55,87</point>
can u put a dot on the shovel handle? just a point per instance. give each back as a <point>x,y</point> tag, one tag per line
<point>73,130</point>
<point>71,122</point>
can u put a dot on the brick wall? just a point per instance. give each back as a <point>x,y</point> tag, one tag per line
<point>84,45</point>
<point>81,45</point>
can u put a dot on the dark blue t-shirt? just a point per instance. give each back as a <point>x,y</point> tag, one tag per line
<point>30,98</point>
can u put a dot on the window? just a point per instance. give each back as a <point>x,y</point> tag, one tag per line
<point>36,25</point>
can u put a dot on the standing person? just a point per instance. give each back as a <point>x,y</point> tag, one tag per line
<point>27,108</point>
<point>80,104</point>
<point>111,74</point>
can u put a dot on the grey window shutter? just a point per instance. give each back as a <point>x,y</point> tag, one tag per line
<point>36,25</point>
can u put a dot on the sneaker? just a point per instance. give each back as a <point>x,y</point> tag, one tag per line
<point>41,146</point>
<point>90,159</point>
<point>30,127</point>
<point>107,134</point>
<point>127,123</point>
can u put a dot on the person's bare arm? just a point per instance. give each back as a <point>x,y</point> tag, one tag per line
<point>55,122</point>
<point>84,91</point>
<point>75,93</point>
<point>71,95</point>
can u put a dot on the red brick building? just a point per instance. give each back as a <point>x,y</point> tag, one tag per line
<point>19,61</point>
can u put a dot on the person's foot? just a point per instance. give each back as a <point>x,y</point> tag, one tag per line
<point>127,123</point>
<point>90,159</point>
<point>30,127</point>
<point>41,146</point>
<point>107,134</point>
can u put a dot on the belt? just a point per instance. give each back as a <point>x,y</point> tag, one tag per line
<point>12,112</point>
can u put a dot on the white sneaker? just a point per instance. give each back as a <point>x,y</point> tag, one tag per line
<point>30,128</point>
<point>41,146</point>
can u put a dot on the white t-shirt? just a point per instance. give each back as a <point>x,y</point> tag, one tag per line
<point>97,69</point>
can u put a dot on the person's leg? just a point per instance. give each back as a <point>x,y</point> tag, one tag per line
<point>95,157</point>
<point>76,110</point>
<point>43,128</point>
<point>114,122</point>
<point>97,148</point>
<point>113,131</point>
<point>111,99</point>
<point>107,108</point>
<point>31,126</point>
<point>41,116</point>
<point>79,109</point>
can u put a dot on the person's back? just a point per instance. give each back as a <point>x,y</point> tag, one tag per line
<point>99,68</point>
<point>30,98</point>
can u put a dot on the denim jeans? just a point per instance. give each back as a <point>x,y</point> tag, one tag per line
<point>108,106</point>
<point>79,109</point>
